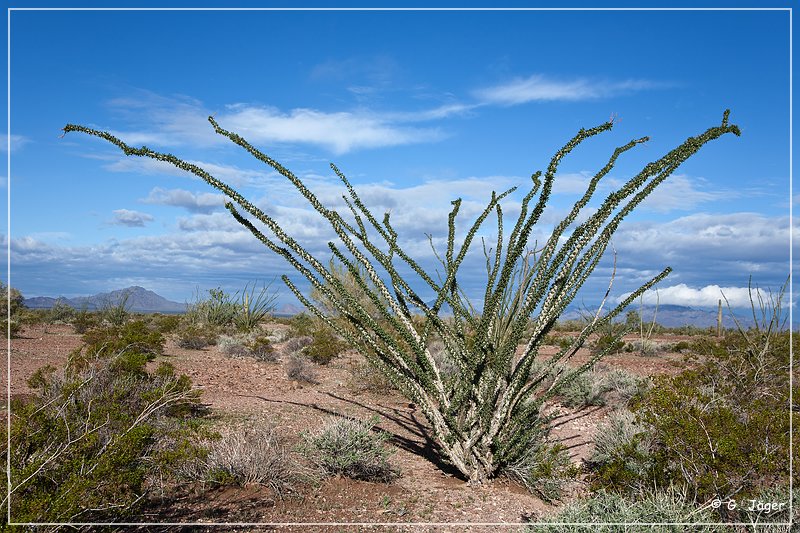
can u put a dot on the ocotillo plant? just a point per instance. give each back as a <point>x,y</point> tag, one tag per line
<point>489,416</point>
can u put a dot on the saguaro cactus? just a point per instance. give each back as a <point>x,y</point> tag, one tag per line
<point>487,416</point>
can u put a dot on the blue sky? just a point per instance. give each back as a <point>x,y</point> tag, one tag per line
<point>416,108</point>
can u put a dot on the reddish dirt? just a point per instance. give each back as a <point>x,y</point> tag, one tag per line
<point>243,390</point>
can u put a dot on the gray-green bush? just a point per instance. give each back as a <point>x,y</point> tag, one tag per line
<point>352,448</point>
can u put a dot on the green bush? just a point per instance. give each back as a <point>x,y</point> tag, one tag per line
<point>116,312</point>
<point>83,447</point>
<point>84,320</point>
<point>166,324</point>
<point>302,325</point>
<point>194,337</point>
<point>325,345</point>
<point>351,448</point>
<point>721,427</point>
<point>60,313</point>
<point>261,348</point>
<point>12,321</point>
<point>132,338</point>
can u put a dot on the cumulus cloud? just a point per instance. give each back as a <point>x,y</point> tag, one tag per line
<point>195,202</point>
<point>339,132</point>
<point>132,219</point>
<point>733,236</point>
<point>707,296</point>
<point>170,121</point>
<point>541,88</point>
<point>683,193</point>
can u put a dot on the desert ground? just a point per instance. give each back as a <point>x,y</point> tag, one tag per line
<point>243,391</point>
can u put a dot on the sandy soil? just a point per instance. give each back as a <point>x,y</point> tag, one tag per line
<point>243,390</point>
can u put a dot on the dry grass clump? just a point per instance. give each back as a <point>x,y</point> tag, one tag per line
<point>300,369</point>
<point>366,378</point>
<point>249,456</point>
<point>603,387</point>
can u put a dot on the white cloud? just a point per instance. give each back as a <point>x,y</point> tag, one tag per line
<point>680,192</point>
<point>16,142</point>
<point>540,88</point>
<point>132,219</point>
<point>707,296</point>
<point>170,121</point>
<point>195,202</point>
<point>339,132</point>
<point>733,236</point>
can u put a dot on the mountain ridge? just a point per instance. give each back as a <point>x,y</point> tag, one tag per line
<point>139,300</point>
<point>142,300</point>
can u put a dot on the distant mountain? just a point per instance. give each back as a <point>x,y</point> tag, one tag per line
<point>139,300</point>
<point>674,316</point>
<point>290,310</point>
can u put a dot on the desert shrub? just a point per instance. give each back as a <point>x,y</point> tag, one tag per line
<point>644,347</point>
<point>60,313</point>
<point>619,387</point>
<point>300,369</point>
<point>278,335</point>
<point>262,349</point>
<point>602,387</point>
<point>718,442</point>
<point>166,324</point>
<point>247,345</point>
<point>569,325</point>
<point>84,320</point>
<point>233,346</point>
<point>662,507</point>
<point>622,459</point>
<point>562,341</point>
<point>366,378</point>
<point>680,347</point>
<point>544,470</point>
<point>222,310</point>
<point>722,426</point>
<point>609,338</point>
<point>448,369</point>
<point>583,391</point>
<point>83,446</point>
<point>325,345</point>
<point>12,320</point>
<point>219,309</point>
<point>295,344</point>
<point>116,312</point>
<point>132,338</point>
<point>194,337</point>
<point>256,455</point>
<point>302,325</point>
<point>351,448</point>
